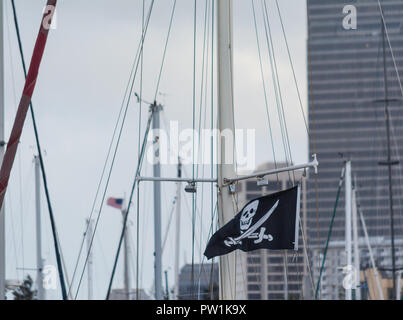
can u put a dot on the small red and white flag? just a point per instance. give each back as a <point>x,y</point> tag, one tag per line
<point>115,203</point>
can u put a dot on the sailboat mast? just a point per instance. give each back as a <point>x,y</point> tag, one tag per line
<point>90,265</point>
<point>389,162</point>
<point>356,247</point>
<point>39,260</point>
<point>178,230</point>
<point>157,204</point>
<point>126,275</point>
<point>2,147</point>
<point>226,167</point>
<point>348,193</point>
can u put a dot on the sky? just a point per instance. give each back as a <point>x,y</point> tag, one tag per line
<point>79,93</point>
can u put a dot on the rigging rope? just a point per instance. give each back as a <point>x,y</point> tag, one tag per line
<point>165,49</point>
<point>277,88</point>
<point>212,128</point>
<point>140,50</point>
<point>31,77</point>
<point>280,107</point>
<point>313,140</point>
<point>171,213</point>
<point>138,152</point>
<point>401,91</point>
<point>19,157</point>
<point>292,68</point>
<point>330,231</point>
<point>141,100</point>
<point>265,91</point>
<point>138,245</point>
<point>194,127</point>
<point>390,47</point>
<point>307,256</point>
<point>202,118</point>
<point>139,166</point>
<point>132,71</point>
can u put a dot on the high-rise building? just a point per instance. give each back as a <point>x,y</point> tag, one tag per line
<point>347,112</point>
<point>268,274</point>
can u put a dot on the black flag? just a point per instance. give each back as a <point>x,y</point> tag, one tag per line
<point>269,222</point>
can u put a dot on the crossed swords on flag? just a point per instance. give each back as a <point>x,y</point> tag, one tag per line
<point>251,234</point>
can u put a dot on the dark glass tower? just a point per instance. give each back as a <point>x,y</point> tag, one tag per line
<point>347,113</point>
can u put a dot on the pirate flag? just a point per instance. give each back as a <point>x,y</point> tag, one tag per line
<point>269,222</point>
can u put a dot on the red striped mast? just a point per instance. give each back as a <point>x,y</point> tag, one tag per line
<point>29,87</point>
<point>20,117</point>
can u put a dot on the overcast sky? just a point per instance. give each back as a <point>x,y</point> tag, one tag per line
<point>79,92</point>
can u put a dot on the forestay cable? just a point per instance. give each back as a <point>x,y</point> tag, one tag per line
<point>330,231</point>
<point>390,46</point>
<point>277,86</point>
<point>132,78</point>
<point>264,89</point>
<point>119,138</point>
<point>139,166</point>
<point>292,68</point>
<point>25,103</point>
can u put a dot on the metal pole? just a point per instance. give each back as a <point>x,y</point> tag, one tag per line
<point>178,231</point>
<point>126,275</point>
<point>357,284</point>
<point>154,179</point>
<point>313,164</point>
<point>226,166</point>
<point>157,204</point>
<point>90,264</point>
<point>166,286</point>
<point>285,258</point>
<point>371,255</point>
<point>39,260</point>
<point>399,285</point>
<point>348,207</point>
<point>2,149</point>
<point>389,163</point>
<point>308,285</point>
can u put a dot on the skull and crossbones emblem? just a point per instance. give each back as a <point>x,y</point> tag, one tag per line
<point>249,231</point>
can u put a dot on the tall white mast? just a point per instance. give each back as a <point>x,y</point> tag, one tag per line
<point>126,275</point>
<point>90,265</point>
<point>226,157</point>
<point>178,230</point>
<point>157,204</point>
<point>348,204</point>
<point>2,147</point>
<point>356,249</point>
<point>39,259</point>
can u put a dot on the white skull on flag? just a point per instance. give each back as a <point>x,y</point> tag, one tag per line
<point>247,215</point>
